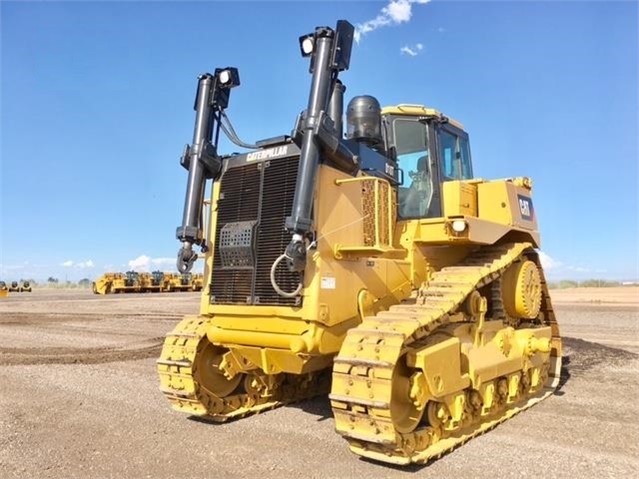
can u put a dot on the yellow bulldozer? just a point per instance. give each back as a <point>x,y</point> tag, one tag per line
<point>154,282</point>
<point>4,290</point>
<point>184,282</point>
<point>129,282</point>
<point>104,284</point>
<point>374,267</point>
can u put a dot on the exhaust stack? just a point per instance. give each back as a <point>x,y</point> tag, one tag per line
<point>336,107</point>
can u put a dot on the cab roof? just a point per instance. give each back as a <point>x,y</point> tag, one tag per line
<point>417,110</point>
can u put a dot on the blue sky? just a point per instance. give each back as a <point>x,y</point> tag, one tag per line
<point>96,106</point>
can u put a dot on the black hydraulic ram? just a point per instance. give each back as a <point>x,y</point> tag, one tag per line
<point>201,158</point>
<point>330,52</point>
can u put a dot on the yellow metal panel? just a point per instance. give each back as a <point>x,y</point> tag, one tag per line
<point>460,198</point>
<point>440,361</point>
<point>493,202</point>
<point>508,202</point>
<point>417,110</point>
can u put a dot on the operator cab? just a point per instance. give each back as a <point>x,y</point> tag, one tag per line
<point>430,149</point>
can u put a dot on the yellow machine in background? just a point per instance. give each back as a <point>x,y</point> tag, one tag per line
<point>21,286</point>
<point>104,284</point>
<point>378,261</point>
<point>197,282</point>
<point>129,282</point>
<point>155,282</point>
<point>184,282</point>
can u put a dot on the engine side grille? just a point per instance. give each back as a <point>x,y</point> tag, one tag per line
<point>239,201</point>
<point>262,193</point>
<point>277,200</point>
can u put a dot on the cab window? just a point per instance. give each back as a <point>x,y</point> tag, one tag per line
<point>415,193</point>
<point>454,156</point>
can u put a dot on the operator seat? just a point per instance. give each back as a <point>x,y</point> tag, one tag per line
<point>416,199</point>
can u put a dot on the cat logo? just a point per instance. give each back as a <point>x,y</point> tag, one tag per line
<point>267,154</point>
<point>525,207</point>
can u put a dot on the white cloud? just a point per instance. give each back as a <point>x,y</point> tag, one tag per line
<point>395,13</point>
<point>559,268</point>
<point>80,264</point>
<point>161,261</point>
<point>141,263</point>
<point>144,262</point>
<point>412,51</point>
<point>579,269</point>
<point>12,266</point>
<point>549,263</point>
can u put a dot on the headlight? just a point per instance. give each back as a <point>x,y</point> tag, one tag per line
<point>307,44</point>
<point>225,77</point>
<point>459,226</point>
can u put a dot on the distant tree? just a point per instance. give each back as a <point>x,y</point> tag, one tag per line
<point>599,283</point>
<point>52,280</point>
<point>567,283</point>
<point>84,282</point>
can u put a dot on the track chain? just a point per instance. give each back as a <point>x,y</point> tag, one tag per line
<point>363,370</point>
<point>177,368</point>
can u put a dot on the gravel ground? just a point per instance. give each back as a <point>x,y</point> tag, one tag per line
<point>79,398</point>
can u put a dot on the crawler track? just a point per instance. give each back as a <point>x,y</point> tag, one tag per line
<point>178,370</point>
<point>363,372</point>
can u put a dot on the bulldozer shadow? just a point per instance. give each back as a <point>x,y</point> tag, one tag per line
<point>564,375</point>
<point>583,357</point>
<point>319,406</point>
<point>412,467</point>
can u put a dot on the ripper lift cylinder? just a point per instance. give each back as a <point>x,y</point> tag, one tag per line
<point>300,219</point>
<point>201,158</point>
<point>191,228</point>
<point>330,52</point>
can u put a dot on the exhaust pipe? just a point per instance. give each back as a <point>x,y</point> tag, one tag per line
<point>336,107</point>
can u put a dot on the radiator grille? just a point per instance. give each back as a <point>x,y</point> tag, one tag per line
<point>261,192</point>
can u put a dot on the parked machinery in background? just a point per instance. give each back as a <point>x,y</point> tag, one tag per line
<point>185,282</point>
<point>197,282</point>
<point>103,285</point>
<point>22,286</point>
<point>154,282</point>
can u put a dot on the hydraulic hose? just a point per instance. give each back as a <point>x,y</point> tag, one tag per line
<point>276,287</point>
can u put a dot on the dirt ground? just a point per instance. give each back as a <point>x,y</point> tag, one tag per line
<point>79,398</point>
